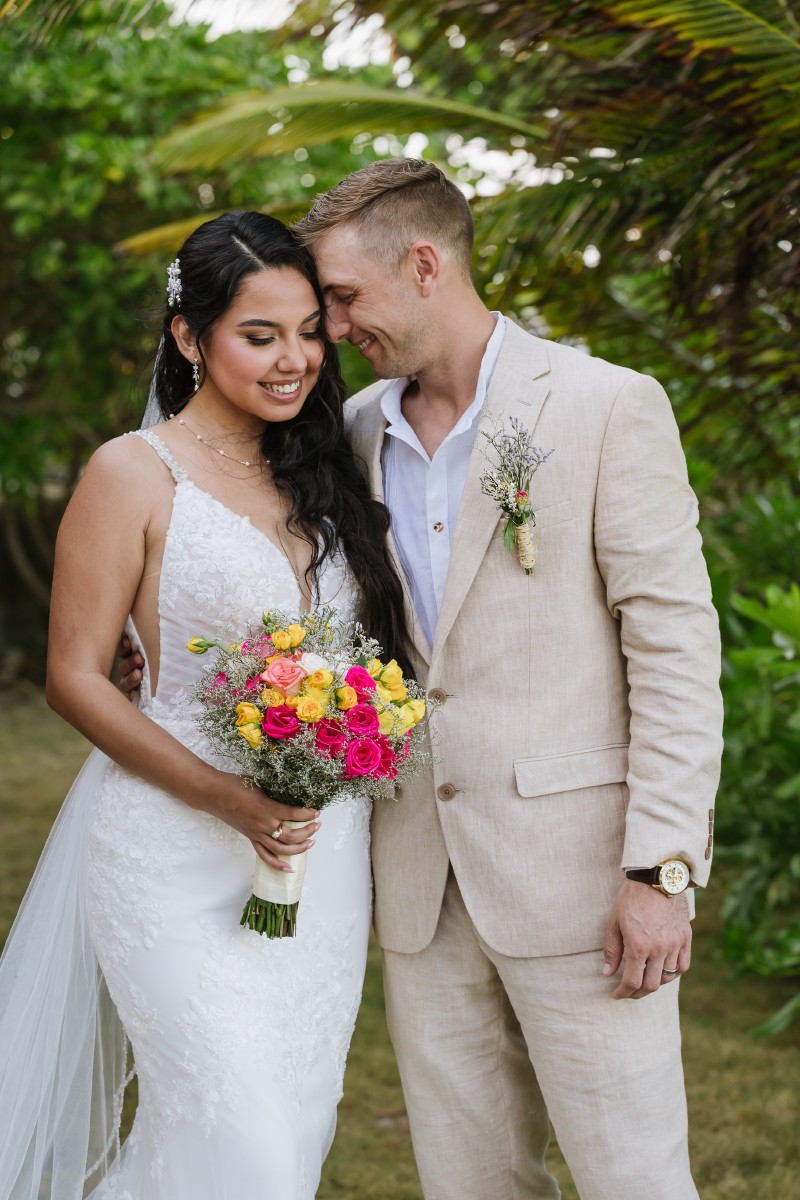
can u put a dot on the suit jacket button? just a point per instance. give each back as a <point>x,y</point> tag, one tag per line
<point>438,695</point>
<point>446,791</point>
<point>707,852</point>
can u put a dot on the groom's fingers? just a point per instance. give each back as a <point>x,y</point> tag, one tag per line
<point>612,951</point>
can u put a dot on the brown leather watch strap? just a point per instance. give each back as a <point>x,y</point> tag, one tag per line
<point>650,875</point>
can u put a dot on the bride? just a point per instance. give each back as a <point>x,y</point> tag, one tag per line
<point>244,497</point>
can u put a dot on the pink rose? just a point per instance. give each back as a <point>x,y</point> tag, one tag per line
<point>285,675</point>
<point>361,719</point>
<point>219,680</point>
<point>254,684</point>
<point>388,769</point>
<point>280,722</point>
<point>363,758</point>
<point>329,738</point>
<point>361,681</point>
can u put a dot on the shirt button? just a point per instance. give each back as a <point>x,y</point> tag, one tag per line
<point>446,791</point>
<point>438,527</point>
<point>438,695</point>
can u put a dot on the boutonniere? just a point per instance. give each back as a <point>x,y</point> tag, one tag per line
<point>510,484</point>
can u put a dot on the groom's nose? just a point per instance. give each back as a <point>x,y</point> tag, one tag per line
<point>337,322</point>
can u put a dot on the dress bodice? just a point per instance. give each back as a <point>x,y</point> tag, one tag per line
<point>219,573</point>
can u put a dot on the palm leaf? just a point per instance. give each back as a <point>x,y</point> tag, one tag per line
<point>256,124</point>
<point>167,238</point>
<point>768,52</point>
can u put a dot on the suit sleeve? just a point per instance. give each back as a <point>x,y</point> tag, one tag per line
<point>649,553</point>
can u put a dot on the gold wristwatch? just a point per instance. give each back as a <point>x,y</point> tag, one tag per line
<point>672,876</point>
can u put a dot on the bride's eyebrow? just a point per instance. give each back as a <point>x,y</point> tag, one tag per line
<point>259,323</point>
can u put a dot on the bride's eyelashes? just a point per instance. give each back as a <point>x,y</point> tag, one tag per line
<point>313,335</point>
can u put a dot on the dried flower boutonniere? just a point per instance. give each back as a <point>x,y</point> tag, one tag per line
<point>509,484</point>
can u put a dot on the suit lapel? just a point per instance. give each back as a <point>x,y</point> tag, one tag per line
<point>519,387</point>
<point>371,431</point>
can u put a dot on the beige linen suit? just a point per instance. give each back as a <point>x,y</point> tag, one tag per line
<point>580,732</point>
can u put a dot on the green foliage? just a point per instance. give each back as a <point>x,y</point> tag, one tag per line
<point>758,815</point>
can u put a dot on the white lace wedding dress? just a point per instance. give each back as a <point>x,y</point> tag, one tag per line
<point>239,1041</point>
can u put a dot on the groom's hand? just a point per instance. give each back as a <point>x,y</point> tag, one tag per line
<point>652,934</point>
<point>131,665</point>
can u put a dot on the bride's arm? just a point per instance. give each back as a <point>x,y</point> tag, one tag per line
<point>100,556</point>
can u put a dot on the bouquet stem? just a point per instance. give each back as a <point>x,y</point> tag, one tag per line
<point>273,920</point>
<point>272,908</point>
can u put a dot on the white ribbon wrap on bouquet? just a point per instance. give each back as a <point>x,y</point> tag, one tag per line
<point>280,887</point>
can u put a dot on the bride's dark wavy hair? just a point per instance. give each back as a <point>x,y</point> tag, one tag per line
<point>310,459</point>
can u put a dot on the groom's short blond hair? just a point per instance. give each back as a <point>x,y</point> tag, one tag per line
<point>392,204</point>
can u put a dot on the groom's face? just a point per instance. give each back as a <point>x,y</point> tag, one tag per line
<point>374,308</point>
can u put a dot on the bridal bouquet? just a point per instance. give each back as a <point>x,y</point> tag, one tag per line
<point>308,711</point>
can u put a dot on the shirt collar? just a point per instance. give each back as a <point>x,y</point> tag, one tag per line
<point>392,397</point>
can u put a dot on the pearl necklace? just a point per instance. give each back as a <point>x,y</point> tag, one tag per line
<point>243,462</point>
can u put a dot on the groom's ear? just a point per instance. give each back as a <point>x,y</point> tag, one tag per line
<point>187,343</point>
<point>425,263</point>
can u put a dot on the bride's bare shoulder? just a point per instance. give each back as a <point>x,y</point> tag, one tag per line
<point>128,458</point>
<point>127,472</point>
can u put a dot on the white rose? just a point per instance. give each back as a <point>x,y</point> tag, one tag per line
<point>313,662</point>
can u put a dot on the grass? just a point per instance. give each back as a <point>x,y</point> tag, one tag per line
<point>743,1092</point>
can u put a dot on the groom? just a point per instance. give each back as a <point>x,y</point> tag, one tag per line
<point>532,937</point>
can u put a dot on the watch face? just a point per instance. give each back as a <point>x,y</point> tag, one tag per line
<point>674,876</point>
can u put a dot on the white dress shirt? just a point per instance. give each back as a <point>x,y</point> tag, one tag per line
<point>423,494</point>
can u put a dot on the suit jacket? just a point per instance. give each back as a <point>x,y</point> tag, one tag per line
<point>581,726</point>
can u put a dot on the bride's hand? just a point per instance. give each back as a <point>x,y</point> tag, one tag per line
<point>247,809</point>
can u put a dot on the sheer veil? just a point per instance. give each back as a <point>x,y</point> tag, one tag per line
<point>63,1052</point>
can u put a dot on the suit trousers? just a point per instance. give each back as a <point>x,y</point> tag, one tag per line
<point>491,1049</point>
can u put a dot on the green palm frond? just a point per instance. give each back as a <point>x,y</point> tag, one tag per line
<point>769,53</point>
<point>167,238</point>
<point>256,124</point>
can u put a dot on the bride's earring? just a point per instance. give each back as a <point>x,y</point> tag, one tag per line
<point>196,375</point>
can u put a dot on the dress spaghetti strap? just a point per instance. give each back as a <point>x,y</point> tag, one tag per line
<point>178,473</point>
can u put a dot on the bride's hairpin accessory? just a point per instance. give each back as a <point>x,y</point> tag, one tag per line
<point>243,462</point>
<point>174,288</point>
<point>196,375</point>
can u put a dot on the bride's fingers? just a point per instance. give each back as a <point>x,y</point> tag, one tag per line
<point>282,812</point>
<point>281,847</point>
<point>270,858</point>
<point>294,837</point>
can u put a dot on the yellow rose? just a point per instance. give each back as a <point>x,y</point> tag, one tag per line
<point>412,712</point>
<point>392,674</point>
<point>346,697</point>
<point>296,634</point>
<point>387,721</point>
<point>320,679</point>
<point>198,645</point>
<point>309,710</point>
<point>292,701</point>
<point>272,697</point>
<point>247,714</point>
<point>251,734</point>
<point>391,693</point>
<point>374,666</point>
<point>281,639</point>
<point>319,695</point>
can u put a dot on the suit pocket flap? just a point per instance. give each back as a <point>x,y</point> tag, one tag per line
<point>568,772</point>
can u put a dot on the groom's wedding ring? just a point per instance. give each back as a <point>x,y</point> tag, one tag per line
<point>276,833</point>
<point>664,971</point>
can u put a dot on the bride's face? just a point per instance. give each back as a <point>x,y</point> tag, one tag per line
<point>265,351</point>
